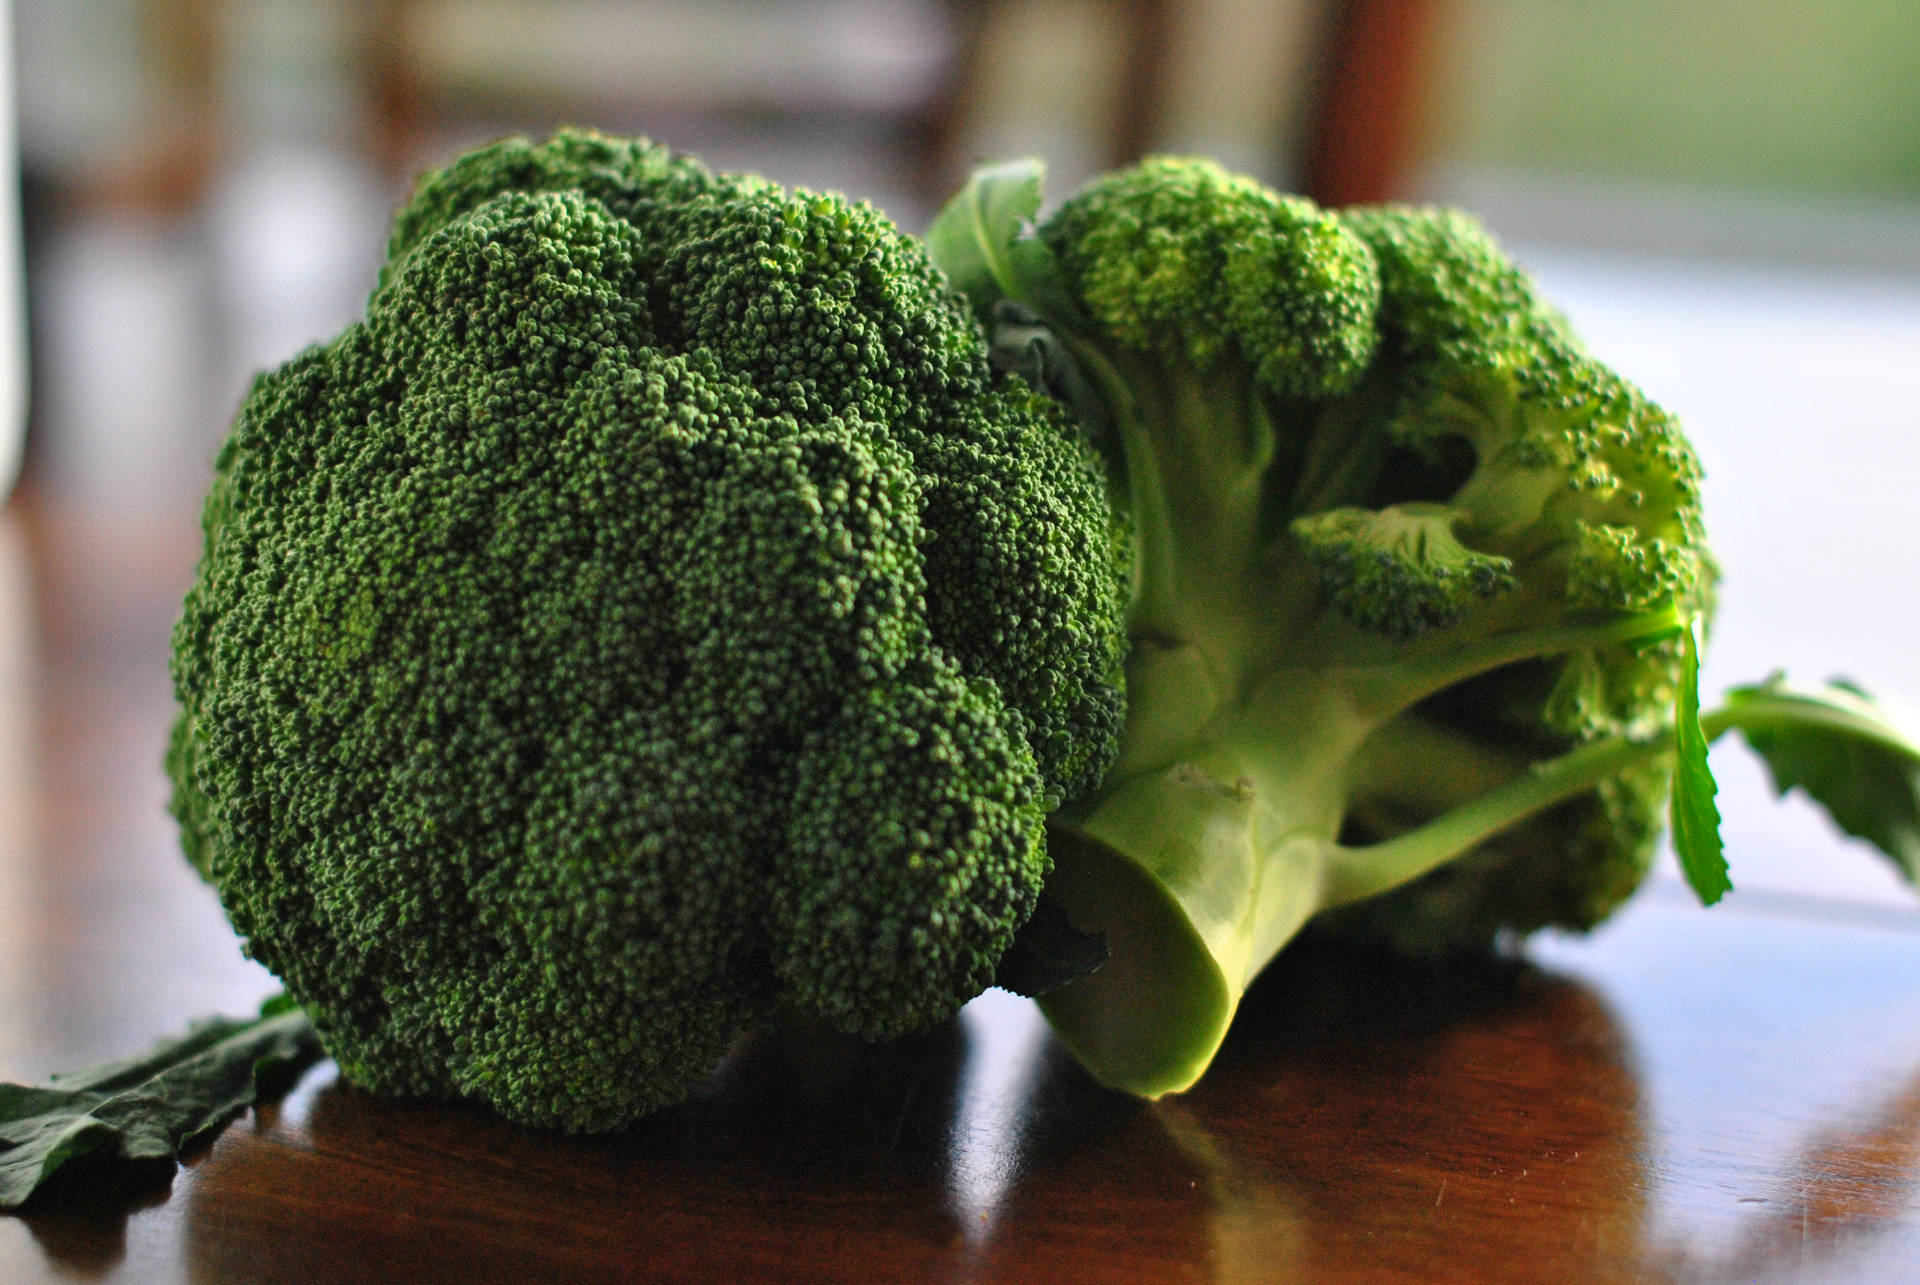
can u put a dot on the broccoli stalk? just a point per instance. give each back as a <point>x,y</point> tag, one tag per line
<point>1412,601</point>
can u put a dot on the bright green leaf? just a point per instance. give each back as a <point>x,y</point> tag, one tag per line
<point>1696,819</point>
<point>1842,749</point>
<point>972,238</point>
<point>1038,282</point>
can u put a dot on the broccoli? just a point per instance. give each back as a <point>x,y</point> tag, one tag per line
<point>1414,596</point>
<point>653,614</point>
<point>681,602</point>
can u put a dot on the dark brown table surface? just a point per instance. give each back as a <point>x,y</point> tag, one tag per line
<point>1719,1096</point>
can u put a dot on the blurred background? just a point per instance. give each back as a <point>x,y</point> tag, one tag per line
<point>1725,197</point>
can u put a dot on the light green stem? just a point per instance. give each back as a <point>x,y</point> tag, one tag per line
<point>1405,680</point>
<point>1356,873</point>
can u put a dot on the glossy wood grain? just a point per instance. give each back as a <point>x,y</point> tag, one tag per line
<point>1716,1096</point>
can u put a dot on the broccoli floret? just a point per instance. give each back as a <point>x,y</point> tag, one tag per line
<point>1401,570</point>
<point>654,613</point>
<point>1590,493</point>
<point>1398,539</point>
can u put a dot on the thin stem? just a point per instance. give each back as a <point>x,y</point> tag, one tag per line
<point>1265,443</point>
<point>1095,364</point>
<point>1156,572</point>
<point>1148,505</point>
<point>1357,873</point>
<point>1761,710</point>
<point>1410,677</point>
<point>1334,453</point>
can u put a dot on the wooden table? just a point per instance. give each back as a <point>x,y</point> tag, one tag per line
<point>1729,1095</point>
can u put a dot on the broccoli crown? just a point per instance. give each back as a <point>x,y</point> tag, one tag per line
<point>1591,496</point>
<point>1416,585</point>
<point>1574,469</point>
<point>652,613</point>
<point>1362,455</point>
<point>1414,580</point>
<point>1399,571</point>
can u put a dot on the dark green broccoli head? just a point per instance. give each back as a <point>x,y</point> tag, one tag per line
<point>636,181</point>
<point>653,613</point>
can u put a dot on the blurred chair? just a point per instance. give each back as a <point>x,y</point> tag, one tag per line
<point>902,68</point>
<point>1363,124</point>
<point>893,69</point>
<point>425,58</point>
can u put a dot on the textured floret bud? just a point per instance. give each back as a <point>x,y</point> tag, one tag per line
<point>1400,571</point>
<point>1179,258</point>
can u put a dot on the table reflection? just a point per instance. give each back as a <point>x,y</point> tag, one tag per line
<point>1367,1118</point>
<point>1365,1113</point>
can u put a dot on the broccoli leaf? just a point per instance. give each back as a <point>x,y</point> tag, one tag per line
<point>1696,819</point>
<point>1021,345</point>
<point>152,1107</point>
<point>1839,746</point>
<point>973,236</point>
<point>983,240</point>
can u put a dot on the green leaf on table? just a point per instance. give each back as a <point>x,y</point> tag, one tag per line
<point>152,1107</point>
<point>1842,748</point>
<point>1696,818</point>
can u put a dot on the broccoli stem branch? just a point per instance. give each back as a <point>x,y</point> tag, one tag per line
<point>1197,447</point>
<point>1201,872</point>
<point>1412,674</point>
<point>1156,573</point>
<point>1356,873</point>
<point>1196,874</point>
